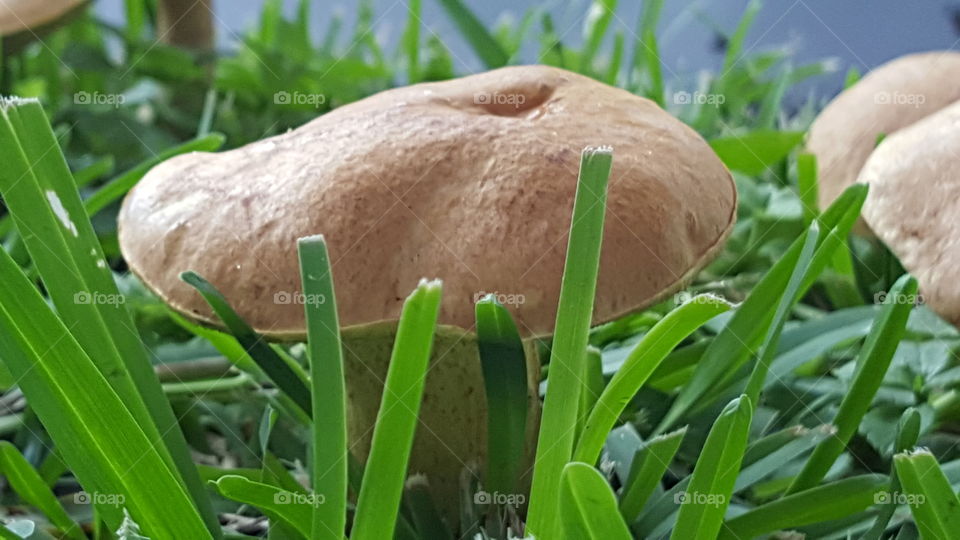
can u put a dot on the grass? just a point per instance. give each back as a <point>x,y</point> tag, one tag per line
<point>798,387</point>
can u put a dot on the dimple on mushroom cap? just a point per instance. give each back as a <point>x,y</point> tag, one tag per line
<point>17,16</point>
<point>470,180</point>
<point>914,204</point>
<point>888,98</point>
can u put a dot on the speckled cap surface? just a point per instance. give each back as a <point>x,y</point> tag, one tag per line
<point>470,180</point>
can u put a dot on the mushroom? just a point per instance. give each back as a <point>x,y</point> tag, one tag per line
<point>889,98</point>
<point>914,204</point>
<point>186,23</point>
<point>22,21</point>
<point>471,180</point>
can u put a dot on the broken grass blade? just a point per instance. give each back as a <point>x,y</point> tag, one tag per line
<point>567,356</point>
<point>386,469</point>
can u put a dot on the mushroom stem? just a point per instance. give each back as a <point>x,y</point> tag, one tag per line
<point>186,23</point>
<point>452,432</point>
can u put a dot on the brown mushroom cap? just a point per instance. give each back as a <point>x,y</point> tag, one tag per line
<point>914,204</point>
<point>889,98</point>
<point>470,180</point>
<point>22,20</point>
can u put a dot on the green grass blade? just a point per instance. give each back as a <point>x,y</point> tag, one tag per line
<point>411,41</point>
<point>807,186</point>
<point>97,435</point>
<point>872,363</point>
<point>933,503</point>
<point>652,49</point>
<point>119,186</point>
<point>27,482</point>
<point>592,388</point>
<point>595,28</point>
<point>735,44</point>
<point>422,509</point>
<point>294,509</point>
<point>745,331</point>
<point>646,26</point>
<point>706,498</point>
<point>558,425</point>
<point>588,508</point>
<point>824,503</point>
<point>755,152</point>
<point>476,34</point>
<point>279,371</point>
<point>327,388</point>
<point>643,360</point>
<point>908,431</point>
<point>386,468</point>
<point>504,364</point>
<point>648,467</point>
<point>42,197</point>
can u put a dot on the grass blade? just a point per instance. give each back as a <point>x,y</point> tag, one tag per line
<point>711,485</point>
<point>27,482</point>
<point>588,508</point>
<point>504,363</point>
<point>872,364</point>
<point>648,467</point>
<point>411,41</point>
<point>279,371</point>
<point>824,503</point>
<point>755,152</point>
<point>327,388</point>
<point>597,21</point>
<point>386,468</point>
<point>291,508</point>
<point>639,365</point>
<point>934,505</point>
<point>476,34</point>
<point>558,425</point>
<point>908,431</point>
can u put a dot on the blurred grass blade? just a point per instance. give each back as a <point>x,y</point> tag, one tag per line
<point>29,485</point>
<point>98,437</point>
<point>559,417</point>
<point>703,504</point>
<point>410,41</point>
<point>655,90</point>
<point>746,329</point>
<point>755,152</point>
<point>807,186</point>
<point>908,431</point>
<point>294,509</point>
<point>735,44</point>
<point>119,186</point>
<point>269,361</point>
<point>772,340</point>
<point>646,27</point>
<point>872,364</point>
<point>504,363</point>
<point>648,467</point>
<point>328,389</point>
<point>832,501</point>
<point>588,508</point>
<point>386,468</point>
<point>642,361</point>
<point>933,503</point>
<point>423,511</point>
<point>42,197</point>
<point>476,34</point>
<point>595,28</point>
